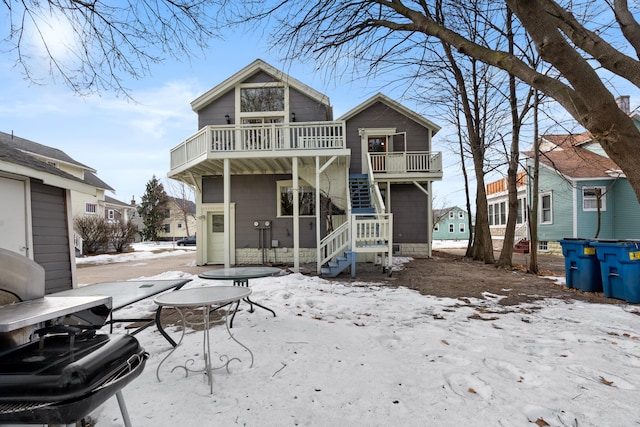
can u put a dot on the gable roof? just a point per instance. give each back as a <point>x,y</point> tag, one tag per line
<point>178,202</point>
<point>567,155</point>
<point>41,150</point>
<point>248,71</point>
<point>379,97</point>
<point>27,146</point>
<point>17,162</point>
<point>115,202</point>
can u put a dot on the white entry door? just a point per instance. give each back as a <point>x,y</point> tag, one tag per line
<point>215,241</point>
<point>13,216</point>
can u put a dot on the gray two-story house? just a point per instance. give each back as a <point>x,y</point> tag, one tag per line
<point>363,182</point>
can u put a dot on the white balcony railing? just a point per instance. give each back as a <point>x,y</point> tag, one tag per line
<point>407,162</point>
<point>268,137</point>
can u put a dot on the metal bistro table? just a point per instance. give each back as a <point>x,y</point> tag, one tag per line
<point>240,277</point>
<point>208,298</point>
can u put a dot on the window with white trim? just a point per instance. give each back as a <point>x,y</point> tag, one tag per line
<point>546,208</point>
<point>451,228</point>
<point>460,214</point>
<point>436,228</point>
<point>590,196</point>
<point>498,213</point>
<point>521,218</point>
<point>543,246</point>
<point>307,199</point>
<point>91,208</point>
<point>461,227</point>
<point>261,99</point>
<point>451,215</point>
<point>111,214</point>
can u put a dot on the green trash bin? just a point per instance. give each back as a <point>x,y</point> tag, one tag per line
<point>581,265</point>
<point>620,268</point>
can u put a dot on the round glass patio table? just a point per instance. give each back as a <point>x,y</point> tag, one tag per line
<point>240,277</point>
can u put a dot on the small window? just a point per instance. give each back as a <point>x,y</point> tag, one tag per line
<point>490,214</point>
<point>546,212</point>
<point>590,197</point>
<point>91,208</point>
<point>307,199</point>
<point>460,214</point>
<point>217,223</point>
<point>111,214</point>
<point>436,228</point>
<point>451,215</point>
<point>167,228</point>
<point>179,225</point>
<point>451,228</point>
<point>543,246</point>
<point>461,228</point>
<point>167,213</point>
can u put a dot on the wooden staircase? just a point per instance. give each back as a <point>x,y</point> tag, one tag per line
<point>359,190</point>
<point>341,263</point>
<point>522,247</point>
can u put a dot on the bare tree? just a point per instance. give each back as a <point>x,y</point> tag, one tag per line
<point>580,51</point>
<point>93,45</point>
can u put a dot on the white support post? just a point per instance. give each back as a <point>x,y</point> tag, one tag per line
<point>227,214</point>
<point>296,216</point>
<point>318,216</point>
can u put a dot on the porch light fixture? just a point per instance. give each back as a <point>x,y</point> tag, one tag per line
<point>293,117</point>
<point>228,119</point>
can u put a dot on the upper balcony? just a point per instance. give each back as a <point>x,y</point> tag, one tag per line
<point>265,143</point>
<point>406,166</point>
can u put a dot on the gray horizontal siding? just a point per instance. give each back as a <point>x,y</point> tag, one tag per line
<point>50,235</point>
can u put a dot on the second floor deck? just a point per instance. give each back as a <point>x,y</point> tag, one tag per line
<point>269,148</point>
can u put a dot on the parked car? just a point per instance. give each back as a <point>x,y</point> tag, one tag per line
<point>188,241</point>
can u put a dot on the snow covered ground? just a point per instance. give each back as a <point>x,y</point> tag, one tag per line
<point>363,354</point>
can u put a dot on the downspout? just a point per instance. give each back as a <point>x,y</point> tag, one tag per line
<point>575,209</point>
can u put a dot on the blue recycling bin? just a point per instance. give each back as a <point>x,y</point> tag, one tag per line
<point>581,265</point>
<point>620,269</point>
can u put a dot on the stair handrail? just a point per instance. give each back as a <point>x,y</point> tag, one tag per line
<point>521,232</point>
<point>376,197</point>
<point>334,243</point>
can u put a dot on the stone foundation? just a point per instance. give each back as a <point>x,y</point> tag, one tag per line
<point>273,256</point>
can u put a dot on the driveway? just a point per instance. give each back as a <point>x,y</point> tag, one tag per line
<point>88,273</point>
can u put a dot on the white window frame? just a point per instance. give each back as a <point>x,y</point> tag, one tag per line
<point>497,213</point>
<point>91,208</point>
<point>303,185</point>
<point>593,200</point>
<point>451,215</point>
<point>452,228</point>
<point>522,206</point>
<point>111,214</point>
<point>541,196</point>
<point>461,227</point>
<point>460,214</point>
<point>543,246</point>
<point>436,227</point>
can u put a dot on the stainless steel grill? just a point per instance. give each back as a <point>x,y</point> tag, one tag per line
<point>55,368</point>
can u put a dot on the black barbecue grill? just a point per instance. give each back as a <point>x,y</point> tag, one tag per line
<point>55,368</point>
